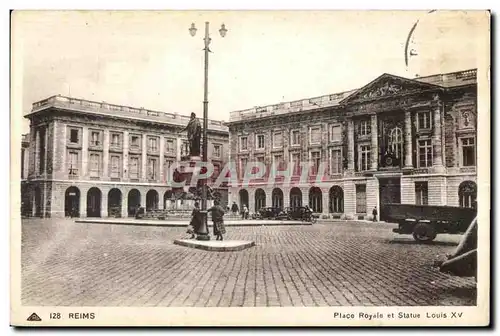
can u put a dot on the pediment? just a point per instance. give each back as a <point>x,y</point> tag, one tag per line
<point>386,86</point>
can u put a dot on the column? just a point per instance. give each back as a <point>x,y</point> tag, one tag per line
<point>269,198</point>
<point>105,151</point>
<point>408,141</point>
<point>37,152</point>
<point>125,156</point>
<point>83,203</point>
<point>436,135</point>
<point>374,142</point>
<point>350,145</point>
<point>46,154</point>
<point>85,146</point>
<point>124,211</point>
<point>305,196</point>
<point>160,164</point>
<point>104,204</point>
<point>64,164</point>
<point>251,200</point>
<point>144,156</point>
<point>178,143</point>
<point>325,202</point>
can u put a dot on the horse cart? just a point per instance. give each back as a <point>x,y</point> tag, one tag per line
<point>424,222</point>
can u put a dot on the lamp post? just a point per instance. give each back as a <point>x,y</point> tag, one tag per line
<point>203,232</point>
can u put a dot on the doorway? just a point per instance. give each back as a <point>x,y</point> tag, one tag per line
<point>389,190</point>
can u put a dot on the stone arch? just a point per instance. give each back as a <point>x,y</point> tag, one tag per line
<point>316,199</point>
<point>115,203</point>
<point>168,200</point>
<point>152,200</point>
<point>133,201</point>
<point>72,202</point>
<point>94,199</point>
<point>260,199</point>
<point>277,198</point>
<point>336,200</point>
<point>244,198</point>
<point>295,197</point>
<point>467,194</point>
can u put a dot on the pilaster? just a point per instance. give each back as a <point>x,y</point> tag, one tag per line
<point>125,159</point>
<point>408,141</point>
<point>374,142</point>
<point>350,145</point>
<point>144,157</point>
<point>105,155</point>
<point>85,156</point>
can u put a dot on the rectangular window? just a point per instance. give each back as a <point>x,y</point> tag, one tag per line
<point>95,138</point>
<point>296,164</point>
<point>169,148</point>
<point>115,140</point>
<point>243,143</point>
<point>260,141</point>
<point>364,128</point>
<point>152,169</point>
<point>153,144</point>
<point>243,166</point>
<point>468,152</point>
<point>335,133</point>
<point>277,140</point>
<point>424,120</point>
<point>424,153</point>
<point>295,137</point>
<point>115,166</point>
<point>134,141</point>
<point>74,136</point>
<point>364,157</point>
<point>166,169</point>
<point>134,168</point>
<point>360,198</point>
<point>216,172</point>
<point>217,151</point>
<point>315,135</point>
<point>316,160</point>
<point>95,165</point>
<point>73,163</point>
<point>335,161</point>
<point>278,161</point>
<point>421,193</point>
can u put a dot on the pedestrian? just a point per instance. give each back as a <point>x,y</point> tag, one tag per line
<point>196,221</point>
<point>245,212</point>
<point>235,209</point>
<point>374,213</point>
<point>218,220</point>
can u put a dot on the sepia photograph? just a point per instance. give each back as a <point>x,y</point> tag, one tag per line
<point>186,168</point>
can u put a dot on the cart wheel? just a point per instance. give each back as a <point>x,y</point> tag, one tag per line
<point>424,232</point>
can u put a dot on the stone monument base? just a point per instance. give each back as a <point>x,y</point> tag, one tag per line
<point>216,245</point>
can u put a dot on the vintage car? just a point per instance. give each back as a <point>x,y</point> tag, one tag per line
<point>267,213</point>
<point>298,213</point>
<point>424,222</point>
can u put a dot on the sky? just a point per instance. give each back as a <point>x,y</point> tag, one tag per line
<point>148,59</point>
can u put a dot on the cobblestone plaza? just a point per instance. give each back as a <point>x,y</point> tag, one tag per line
<point>325,264</point>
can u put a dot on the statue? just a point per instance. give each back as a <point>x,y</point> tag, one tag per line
<point>194,135</point>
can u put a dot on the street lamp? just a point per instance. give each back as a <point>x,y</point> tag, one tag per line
<point>203,232</point>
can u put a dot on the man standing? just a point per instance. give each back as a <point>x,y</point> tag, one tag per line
<point>194,135</point>
<point>374,213</point>
<point>234,208</point>
<point>218,220</point>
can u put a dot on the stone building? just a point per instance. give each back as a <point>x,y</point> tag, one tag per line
<point>394,140</point>
<point>91,159</point>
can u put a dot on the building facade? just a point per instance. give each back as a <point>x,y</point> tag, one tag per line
<point>395,140</point>
<point>91,159</point>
